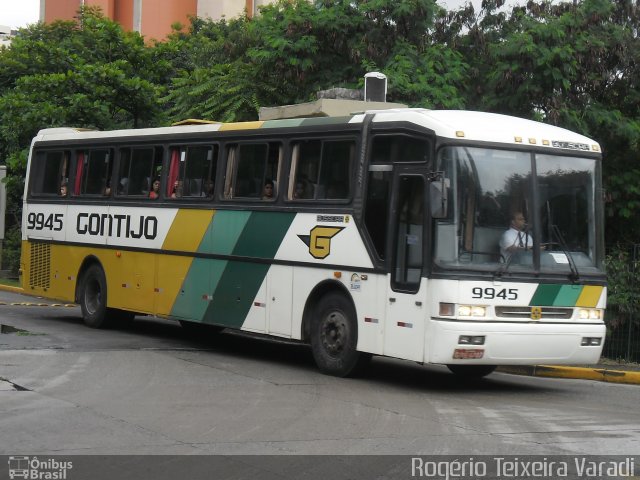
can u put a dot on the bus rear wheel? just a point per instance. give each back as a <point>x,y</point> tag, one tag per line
<point>334,336</point>
<point>93,297</point>
<point>472,371</point>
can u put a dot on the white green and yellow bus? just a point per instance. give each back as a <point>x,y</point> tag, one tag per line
<point>371,234</point>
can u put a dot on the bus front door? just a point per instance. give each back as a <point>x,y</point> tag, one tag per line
<point>406,310</point>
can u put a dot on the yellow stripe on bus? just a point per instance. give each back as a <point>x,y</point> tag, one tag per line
<point>240,126</point>
<point>185,235</point>
<point>172,270</point>
<point>187,230</point>
<point>589,296</point>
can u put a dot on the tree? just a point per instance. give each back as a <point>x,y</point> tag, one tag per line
<point>293,49</point>
<point>85,73</point>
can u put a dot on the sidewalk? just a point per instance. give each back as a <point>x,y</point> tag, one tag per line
<point>607,371</point>
<point>614,373</point>
<point>9,288</point>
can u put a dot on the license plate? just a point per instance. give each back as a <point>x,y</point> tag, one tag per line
<point>467,353</point>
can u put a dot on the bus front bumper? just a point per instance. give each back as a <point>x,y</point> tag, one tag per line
<point>450,342</point>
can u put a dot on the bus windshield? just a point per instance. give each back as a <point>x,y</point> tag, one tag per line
<point>503,216</point>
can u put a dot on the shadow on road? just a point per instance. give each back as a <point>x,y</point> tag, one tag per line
<point>385,372</point>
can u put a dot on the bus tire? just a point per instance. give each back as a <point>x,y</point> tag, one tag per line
<point>334,336</point>
<point>93,298</point>
<point>472,371</point>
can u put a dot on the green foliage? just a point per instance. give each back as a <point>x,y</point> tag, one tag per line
<point>623,299</point>
<point>86,73</point>
<point>227,70</point>
<point>11,249</point>
<point>222,92</point>
<point>431,79</point>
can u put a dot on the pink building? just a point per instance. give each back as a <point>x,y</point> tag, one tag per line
<point>152,18</point>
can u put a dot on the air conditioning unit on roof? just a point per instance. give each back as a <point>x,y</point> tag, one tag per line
<point>375,87</point>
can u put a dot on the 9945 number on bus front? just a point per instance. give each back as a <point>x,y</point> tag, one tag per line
<point>489,293</point>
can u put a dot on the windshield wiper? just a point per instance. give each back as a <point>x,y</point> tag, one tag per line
<point>502,269</point>
<point>574,276</point>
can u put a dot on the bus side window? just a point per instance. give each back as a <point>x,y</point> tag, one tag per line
<point>192,171</point>
<point>321,169</point>
<point>93,172</point>
<point>409,232</point>
<point>305,164</point>
<point>253,170</point>
<point>400,148</point>
<point>51,172</point>
<point>377,206</point>
<point>137,170</point>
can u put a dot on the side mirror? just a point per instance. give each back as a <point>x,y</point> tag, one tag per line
<point>439,197</point>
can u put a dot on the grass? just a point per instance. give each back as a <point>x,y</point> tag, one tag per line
<point>10,282</point>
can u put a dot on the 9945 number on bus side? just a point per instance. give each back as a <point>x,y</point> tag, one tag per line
<point>40,221</point>
<point>489,293</point>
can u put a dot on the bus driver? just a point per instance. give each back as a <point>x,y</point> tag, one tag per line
<point>516,238</point>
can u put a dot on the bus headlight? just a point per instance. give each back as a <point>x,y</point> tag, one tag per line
<point>589,314</point>
<point>472,311</point>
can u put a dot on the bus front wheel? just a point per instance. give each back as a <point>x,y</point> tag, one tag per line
<point>93,297</point>
<point>334,336</point>
<point>472,371</point>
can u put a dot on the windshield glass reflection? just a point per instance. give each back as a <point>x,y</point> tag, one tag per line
<point>492,214</point>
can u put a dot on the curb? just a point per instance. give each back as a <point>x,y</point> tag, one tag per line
<point>9,288</point>
<point>20,290</point>
<point>579,373</point>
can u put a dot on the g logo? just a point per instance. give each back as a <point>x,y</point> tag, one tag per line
<point>319,240</point>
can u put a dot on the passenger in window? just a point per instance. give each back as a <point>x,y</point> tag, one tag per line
<point>155,189</point>
<point>208,189</point>
<point>267,191</point>
<point>300,190</point>
<point>177,189</point>
<point>122,186</point>
<point>107,189</point>
<point>63,189</point>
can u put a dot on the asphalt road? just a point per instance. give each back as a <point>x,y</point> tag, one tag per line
<point>148,388</point>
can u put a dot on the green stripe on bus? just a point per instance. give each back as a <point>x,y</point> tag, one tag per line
<point>189,302</point>
<point>223,232</point>
<point>263,234</point>
<point>203,276</point>
<point>567,296</point>
<point>235,292</point>
<point>240,281</point>
<point>545,295</point>
<point>292,122</point>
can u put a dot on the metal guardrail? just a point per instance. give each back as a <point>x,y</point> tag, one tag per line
<point>623,333</point>
<point>623,342</point>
